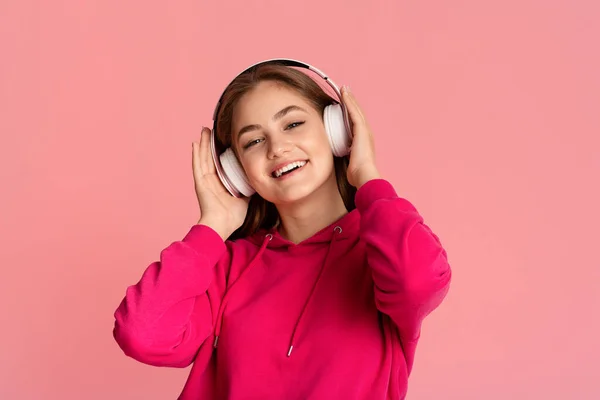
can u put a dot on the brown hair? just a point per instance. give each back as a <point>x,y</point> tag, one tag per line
<point>262,214</point>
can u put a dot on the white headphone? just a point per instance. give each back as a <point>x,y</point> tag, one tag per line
<point>335,119</point>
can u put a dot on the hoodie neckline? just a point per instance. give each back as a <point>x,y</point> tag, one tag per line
<point>346,226</point>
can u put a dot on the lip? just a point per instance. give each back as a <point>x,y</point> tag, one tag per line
<point>283,164</point>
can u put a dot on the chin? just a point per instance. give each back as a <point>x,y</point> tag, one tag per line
<point>298,191</point>
<point>293,194</point>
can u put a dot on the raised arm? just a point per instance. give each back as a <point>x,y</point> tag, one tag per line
<point>168,314</point>
<point>409,266</point>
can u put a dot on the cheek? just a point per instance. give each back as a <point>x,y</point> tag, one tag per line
<point>322,147</point>
<point>322,141</point>
<point>253,167</point>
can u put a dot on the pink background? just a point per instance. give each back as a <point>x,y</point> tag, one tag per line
<point>486,116</point>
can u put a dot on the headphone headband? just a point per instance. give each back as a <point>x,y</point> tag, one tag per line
<point>287,62</point>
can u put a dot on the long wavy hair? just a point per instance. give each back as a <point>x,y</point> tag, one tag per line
<point>262,214</point>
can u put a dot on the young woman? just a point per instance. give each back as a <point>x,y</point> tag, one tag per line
<point>315,287</point>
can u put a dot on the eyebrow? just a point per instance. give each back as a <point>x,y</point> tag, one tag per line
<point>280,114</point>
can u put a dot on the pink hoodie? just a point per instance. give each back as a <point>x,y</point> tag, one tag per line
<point>337,316</point>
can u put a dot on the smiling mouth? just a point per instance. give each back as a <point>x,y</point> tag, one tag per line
<point>278,173</point>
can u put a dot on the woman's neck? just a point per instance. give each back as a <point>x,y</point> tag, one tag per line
<point>304,218</point>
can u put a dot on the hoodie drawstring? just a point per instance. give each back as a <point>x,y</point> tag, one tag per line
<point>268,238</point>
<point>337,230</point>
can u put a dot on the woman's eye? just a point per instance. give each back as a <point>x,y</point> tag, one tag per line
<point>251,143</point>
<point>294,125</point>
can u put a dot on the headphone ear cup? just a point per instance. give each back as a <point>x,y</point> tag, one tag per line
<point>235,173</point>
<point>339,137</point>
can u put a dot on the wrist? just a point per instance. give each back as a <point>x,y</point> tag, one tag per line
<point>367,175</point>
<point>216,226</point>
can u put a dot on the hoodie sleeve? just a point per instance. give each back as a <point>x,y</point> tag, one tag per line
<point>410,269</point>
<point>168,314</point>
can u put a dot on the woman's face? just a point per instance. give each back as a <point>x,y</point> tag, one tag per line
<point>281,143</point>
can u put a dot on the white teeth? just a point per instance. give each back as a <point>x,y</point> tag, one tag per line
<point>288,167</point>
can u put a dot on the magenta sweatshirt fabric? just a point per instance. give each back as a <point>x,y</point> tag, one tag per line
<point>337,316</point>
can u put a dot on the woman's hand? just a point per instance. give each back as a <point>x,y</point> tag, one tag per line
<point>361,168</point>
<point>218,208</point>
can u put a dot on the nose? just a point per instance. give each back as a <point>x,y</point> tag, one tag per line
<point>278,146</point>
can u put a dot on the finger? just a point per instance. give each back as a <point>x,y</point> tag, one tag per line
<point>209,172</point>
<point>195,162</point>
<point>357,106</point>
<point>359,116</point>
<point>204,156</point>
<point>354,110</point>
<point>210,165</point>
